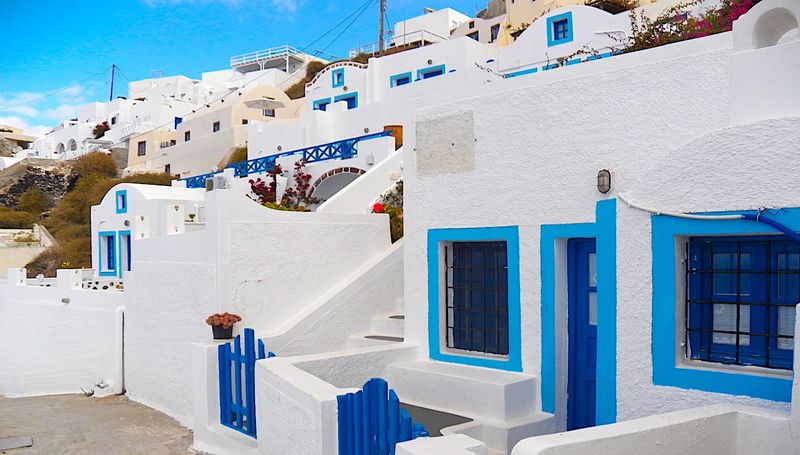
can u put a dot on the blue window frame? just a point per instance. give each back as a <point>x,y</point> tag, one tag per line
<point>122,201</point>
<point>400,79</point>
<point>350,98</point>
<point>337,77</point>
<point>741,297</point>
<point>463,311</point>
<point>107,251</point>
<point>321,104</point>
<point>559,29</point>
<point>431,71</point>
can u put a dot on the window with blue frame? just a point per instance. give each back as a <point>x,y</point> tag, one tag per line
<point>350,98</point>
<point>433,71</point>
<point>107,260</point>
<point>322,105</point>
<point>740,300</point>
<point>400,79</point>
<point>122,201</point>
<point>476,296</point>
<point>559,29</point>
<point>337,77</point>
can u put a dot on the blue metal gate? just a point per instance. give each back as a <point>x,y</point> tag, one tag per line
<point>371,421</point>
<point>237,393</point>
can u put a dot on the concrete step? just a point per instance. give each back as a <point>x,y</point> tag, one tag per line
<point>496,395</point>
<point>388,326</point>
<point>369,340</point>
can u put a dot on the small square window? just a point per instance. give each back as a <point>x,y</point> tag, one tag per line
<point>559,29</point>
<point>215,127</point>
<point>141,148</point>
<point>114,120</point>
<point>268,112</point>
<point>473,35</point>
<point>187,136</point>
<point>244,121</point>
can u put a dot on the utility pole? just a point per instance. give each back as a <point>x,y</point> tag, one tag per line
<point>381,44</point>
<point>111,93</point>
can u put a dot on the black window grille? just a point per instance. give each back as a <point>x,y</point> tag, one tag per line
<point>476,296</point>
<point>740,300</point>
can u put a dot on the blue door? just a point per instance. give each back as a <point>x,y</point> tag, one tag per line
<point>582,322</point>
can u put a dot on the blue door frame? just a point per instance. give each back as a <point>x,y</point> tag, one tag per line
<point>582,329</point>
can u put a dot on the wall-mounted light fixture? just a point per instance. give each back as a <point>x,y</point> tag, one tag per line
<point>604,181</point>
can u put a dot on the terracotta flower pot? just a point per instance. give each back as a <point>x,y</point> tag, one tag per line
<point>221,333</point>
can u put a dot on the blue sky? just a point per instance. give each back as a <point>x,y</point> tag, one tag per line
<point>67,47</point>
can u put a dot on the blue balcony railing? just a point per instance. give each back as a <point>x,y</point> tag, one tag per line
<point>338,150</point>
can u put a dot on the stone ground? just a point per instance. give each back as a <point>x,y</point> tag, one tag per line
<point>76,424</point>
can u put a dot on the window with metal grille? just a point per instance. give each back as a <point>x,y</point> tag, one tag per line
<point>740,300</point>
<point>476,296</point>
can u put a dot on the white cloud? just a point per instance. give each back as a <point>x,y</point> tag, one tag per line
<point>61,112</point>
<point>32,130</point>
<point>288,6</point>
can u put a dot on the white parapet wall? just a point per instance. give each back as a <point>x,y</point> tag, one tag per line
<point>59,338</point>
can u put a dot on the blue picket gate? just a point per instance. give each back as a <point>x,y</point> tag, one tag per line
<point>371,421</point>
<point>237,382</point>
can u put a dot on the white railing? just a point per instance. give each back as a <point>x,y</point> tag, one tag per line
<point>423,37</point>
<point>336,65</point>
<point>266,54</point>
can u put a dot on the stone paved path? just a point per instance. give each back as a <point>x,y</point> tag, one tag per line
<point>75,424</point>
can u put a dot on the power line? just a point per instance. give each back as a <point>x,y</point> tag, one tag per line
<point>54,92</point>
<point>304,49</point>
<point>363,9</point>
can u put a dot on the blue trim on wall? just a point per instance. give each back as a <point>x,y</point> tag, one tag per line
<point>347,96</point>
<point>431,69</point>
<point>121,268</point>
<point>604,231</point>
<point>666,370</point>
<point>509,234</point>
<point>335,75</point>
<point>522,72</point>
<point>121,207</point>
<point>393,79</point>
<point>321,104</point>
<point>551,39</point>
<point>574,61</point>
<point>101,269</point>
<point>551,66</point>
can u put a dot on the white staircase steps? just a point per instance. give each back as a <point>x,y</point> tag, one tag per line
<point>383,329</point>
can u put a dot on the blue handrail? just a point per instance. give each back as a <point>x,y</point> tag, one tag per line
<point>343,149</point>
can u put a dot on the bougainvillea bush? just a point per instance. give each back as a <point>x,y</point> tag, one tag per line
<point>391,203</point>
<point>297,196</point>
<point>677,24</point>
<point>224,320</point>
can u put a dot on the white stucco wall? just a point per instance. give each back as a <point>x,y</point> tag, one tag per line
<point>56,339</point>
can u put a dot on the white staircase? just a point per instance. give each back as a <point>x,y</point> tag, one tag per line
<point>384,329</point>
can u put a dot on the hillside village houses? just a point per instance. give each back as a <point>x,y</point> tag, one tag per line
<point>599,253</point>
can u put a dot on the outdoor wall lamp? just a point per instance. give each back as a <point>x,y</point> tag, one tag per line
<point>604,181</point>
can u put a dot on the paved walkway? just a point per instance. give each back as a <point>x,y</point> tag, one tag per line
<point>75,424</point>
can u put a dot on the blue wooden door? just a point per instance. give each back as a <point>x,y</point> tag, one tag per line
<point>582,323</point>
